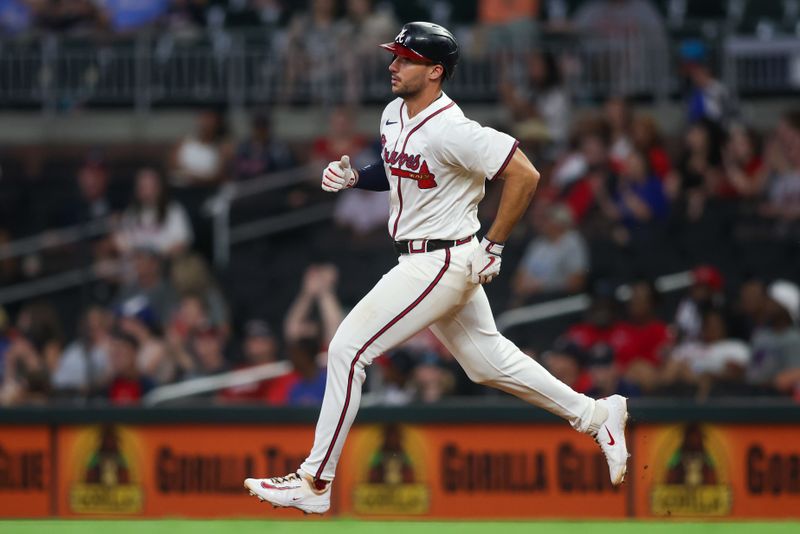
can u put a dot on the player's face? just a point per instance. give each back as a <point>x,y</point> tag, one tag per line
<point>409,77</point>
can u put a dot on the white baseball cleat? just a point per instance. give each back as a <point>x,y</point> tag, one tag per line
<point>295,490</point>
<point>611,437</point>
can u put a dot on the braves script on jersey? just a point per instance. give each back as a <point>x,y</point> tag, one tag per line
<point>437,164</point>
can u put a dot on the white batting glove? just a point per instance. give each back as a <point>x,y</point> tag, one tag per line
<point>484,262</point>
<point>338,175</point>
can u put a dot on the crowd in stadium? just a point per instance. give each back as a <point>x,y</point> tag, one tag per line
<point>619,204</point>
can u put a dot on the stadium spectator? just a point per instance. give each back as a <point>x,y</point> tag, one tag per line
<point>318,290</point>
<point>33,354</point>
<point>136,318</point>
<point>205,355</point>
<point>600,316</point>
<point>152,220</point>
<point>783,162</point>
<point>749,309</point>
<point>341,138</point>
<point>565,360</point>
<point>127,385</point>
<point>396,387</point>
<point>705,292</point>
<point>580,173</point>
<point>744,167</point>
<point>309,388</point>
<point>776,345</point>
<point>201,159</point>
<point>190,315</point>
<point>618,113</point>
<point>16,17</point>
<point>362,26</point>
<point>713,363</point>
<point>433,378</point>
<point>128,17</point>
<point>149,282</point>
<point>641,341</point>
<point>604,374</point>
<point>556,262</point>
<point>636,201</point>
<point>5,341</point>
<point>646,137</point>
<point>708,98</point>
<point>314,60</point>
<point>259,347</point>
<point>186,16</point>
<point>540,105</point>
<point>190,276</point>
<point>84,367</point>
<point>261,153</point>
<point>93,200</point>
<point>626,41</point>
<point>76,17</point>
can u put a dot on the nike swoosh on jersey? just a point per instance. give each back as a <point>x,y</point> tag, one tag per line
<point>389,123</point>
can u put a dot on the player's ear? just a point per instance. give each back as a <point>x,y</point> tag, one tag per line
<point>436,72</point>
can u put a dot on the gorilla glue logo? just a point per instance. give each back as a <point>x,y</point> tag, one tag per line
<point>691,477</point>
<point>107,474</point>
<point>391,477</point>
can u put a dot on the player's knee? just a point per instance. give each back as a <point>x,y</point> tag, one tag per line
<point>338,352</point>
<point>483,376</point>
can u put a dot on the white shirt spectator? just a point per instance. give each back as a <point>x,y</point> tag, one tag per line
<point>554,262</point>
<point>142,229</point>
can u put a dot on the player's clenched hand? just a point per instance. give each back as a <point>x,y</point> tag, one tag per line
<point>338,175</point>
<point>484,262</point>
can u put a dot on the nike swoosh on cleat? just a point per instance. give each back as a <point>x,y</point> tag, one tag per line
<point>610,437</point>
<point>388,122</point>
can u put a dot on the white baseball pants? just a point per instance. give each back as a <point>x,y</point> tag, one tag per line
<point>429,290</point>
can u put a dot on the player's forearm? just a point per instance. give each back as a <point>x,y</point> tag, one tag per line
<point>521,179</point>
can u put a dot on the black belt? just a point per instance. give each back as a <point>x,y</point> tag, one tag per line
<point>417,246</point>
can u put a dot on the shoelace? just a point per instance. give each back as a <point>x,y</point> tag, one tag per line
<point>291,477</point>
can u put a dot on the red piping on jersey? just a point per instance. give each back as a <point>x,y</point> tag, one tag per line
<point>371,340</point>
<point>414,129</point>
<point>505,163</point>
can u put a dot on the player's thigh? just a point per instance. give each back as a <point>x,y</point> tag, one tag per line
<point>404,301</point>
<point>471,336</point>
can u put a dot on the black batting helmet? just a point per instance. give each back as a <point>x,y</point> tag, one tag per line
<point>425,41</point>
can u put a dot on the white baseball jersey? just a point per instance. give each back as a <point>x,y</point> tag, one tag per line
<point>437,164</point>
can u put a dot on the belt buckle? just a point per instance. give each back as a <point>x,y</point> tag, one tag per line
<point>423,246</point>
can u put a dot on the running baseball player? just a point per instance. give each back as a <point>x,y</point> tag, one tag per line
<point>435,162</point>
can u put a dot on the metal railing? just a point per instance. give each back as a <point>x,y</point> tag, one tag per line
<point>227,235</point>
<point>244,68</point>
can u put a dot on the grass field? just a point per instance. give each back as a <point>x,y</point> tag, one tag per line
<point>391,527</point>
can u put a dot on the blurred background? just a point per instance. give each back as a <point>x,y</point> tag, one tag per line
<point>162,225</point>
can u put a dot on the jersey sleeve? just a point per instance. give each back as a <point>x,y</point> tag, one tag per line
<point>480,149</point>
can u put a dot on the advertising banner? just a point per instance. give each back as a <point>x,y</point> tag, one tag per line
<point>477,470</point>
<point>25,471</point>
<point>184,470</point>
<point>709,470</point>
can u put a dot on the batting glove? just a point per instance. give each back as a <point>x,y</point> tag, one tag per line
<point>338,175</point>
<point>484,262</point>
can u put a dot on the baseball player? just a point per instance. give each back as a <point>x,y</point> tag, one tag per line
<point>435,162</point>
